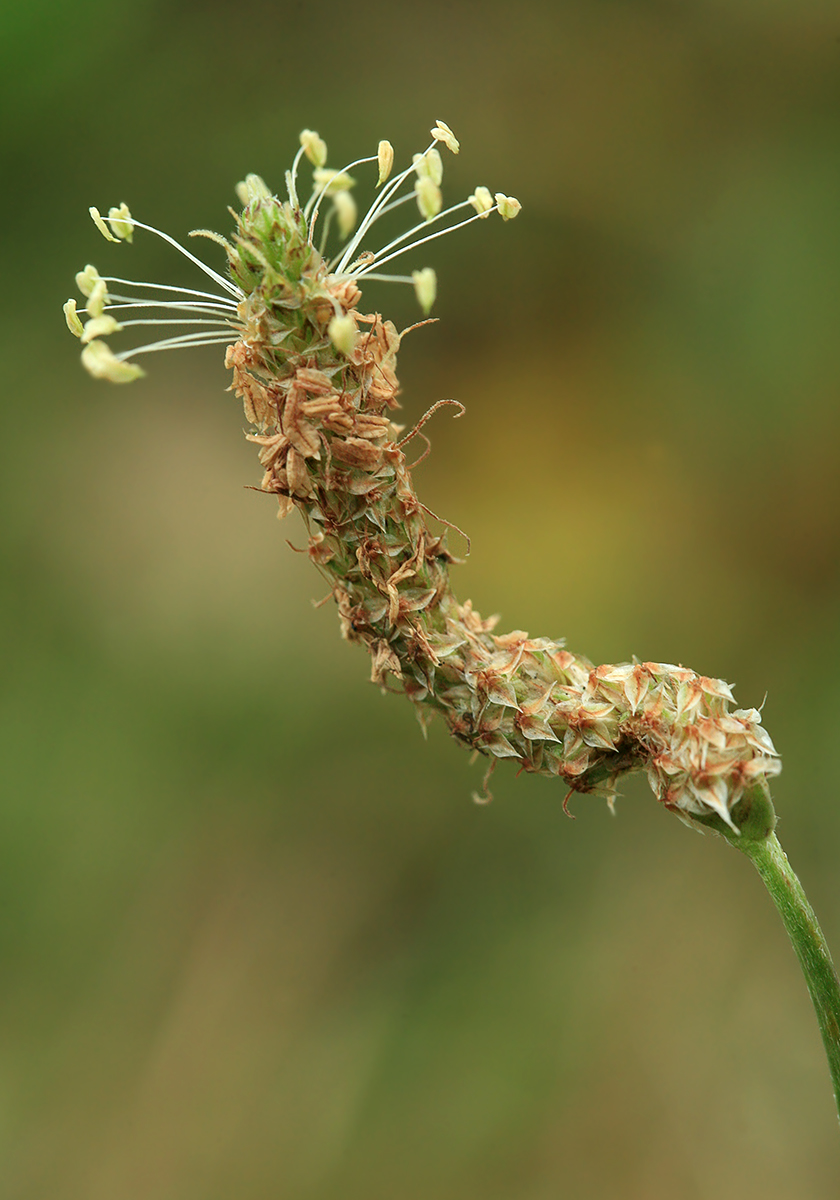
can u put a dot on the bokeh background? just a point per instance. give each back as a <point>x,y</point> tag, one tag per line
<point>256,939</point>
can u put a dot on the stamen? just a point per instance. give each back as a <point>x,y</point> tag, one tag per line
<point>421,225</point>
<point>375,210</point>
<point>318,197</point>
<point>165,287</point>
<point>220,279</point>
<point>409,196</point>
<point>170,304</point>
<point>186,339</point>
<point>421,241</point>
<point>176,321</point>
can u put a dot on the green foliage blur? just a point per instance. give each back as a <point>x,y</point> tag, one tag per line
<point>256,941</point>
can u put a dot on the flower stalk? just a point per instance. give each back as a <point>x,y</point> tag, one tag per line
<point>317,379</point>
<point>803,929</point>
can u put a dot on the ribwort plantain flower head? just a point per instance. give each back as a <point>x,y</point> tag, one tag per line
<point>317,378</point>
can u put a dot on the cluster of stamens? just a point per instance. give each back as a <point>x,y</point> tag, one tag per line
<point>216,315</point>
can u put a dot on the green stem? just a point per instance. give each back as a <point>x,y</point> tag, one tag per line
<point>804,931</point>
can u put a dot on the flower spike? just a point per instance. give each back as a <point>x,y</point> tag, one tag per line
<point>317,377</point>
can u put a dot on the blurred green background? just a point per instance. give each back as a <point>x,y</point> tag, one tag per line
<point>256,941</point>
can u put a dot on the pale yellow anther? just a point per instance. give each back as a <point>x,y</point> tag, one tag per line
<point>346,212</point>
<point>314,147</point>
<point>385,156</point>
<point>87,280</point>
<point>101,226</point>
<point>429,165</point>
<point>509,206</point>
<point>74,323</point>
<point>332,181</point>
<point>97,299</point>
<point>429,199</point>
<point>99,327</point>
<point>121,224</point>
<point>251,188</point>
<point>100,361</point>
<point>482,201</point>
<point>442,133</point>
<point>435,165</point>
<point>425,287</point>
<point>343,334</point>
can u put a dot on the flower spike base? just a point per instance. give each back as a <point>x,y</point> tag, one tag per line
<point>317,378</point>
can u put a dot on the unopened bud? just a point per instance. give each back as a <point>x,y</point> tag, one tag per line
<point>101,226</point>
<point>314,147</point>
<point>252,187</point>
<point>442,133</point>
<point>343,334</point>
<point>429,199</point>
<point>100,361</point>
<point>509,206</point>
<point>121,223</point>
<point>425,288</point>
<point>385,155</point>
